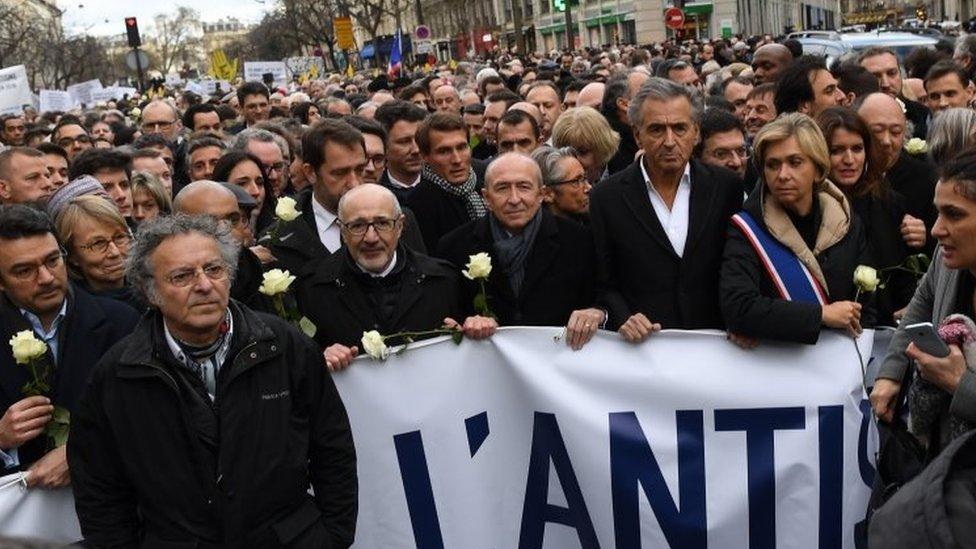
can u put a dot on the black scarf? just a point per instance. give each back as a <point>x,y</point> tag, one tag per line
<point>513,250</point>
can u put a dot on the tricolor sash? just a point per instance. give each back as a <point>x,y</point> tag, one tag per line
<point>790,276</point>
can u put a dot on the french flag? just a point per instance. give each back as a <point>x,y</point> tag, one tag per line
<point>396,54</point>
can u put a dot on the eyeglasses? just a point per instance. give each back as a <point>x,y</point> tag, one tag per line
<point>236,219</point>
<point>376,159</point>
<point>25,273</point>
<point>578,181</point>
<point>726,154</point>
<point>276,167</point>
<point>183,278</point>
<point>163,125</point>
<point>100,246</point>
<point>360,228</point>
<point>66,142</point>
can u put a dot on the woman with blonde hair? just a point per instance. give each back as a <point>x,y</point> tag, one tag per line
<point>588,132</point>
<point>788,267</point>
<point>96,238</point>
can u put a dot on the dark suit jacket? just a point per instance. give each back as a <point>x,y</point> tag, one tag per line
<point>560,273</point>
<point>915,178</point>
<point>438,212</point>
<point>639,269</point>
<point>401,193</point>
<point>334,300</point>
<point>90,327</point>
<point>628,146</point>
<point>297,244</point>
<point>918,114</point>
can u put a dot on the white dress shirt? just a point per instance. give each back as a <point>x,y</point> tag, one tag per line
<point>674,220</point>
<point>397,183</point>
<point>327,224</point>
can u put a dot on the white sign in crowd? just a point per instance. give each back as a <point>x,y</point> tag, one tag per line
<point>685,441</point>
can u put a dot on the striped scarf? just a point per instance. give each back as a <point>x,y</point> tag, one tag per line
<point>468,190</point>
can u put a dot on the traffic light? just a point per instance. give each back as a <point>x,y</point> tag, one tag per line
<point>132,31</point>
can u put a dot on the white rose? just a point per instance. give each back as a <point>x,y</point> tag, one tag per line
<point>27,347</point>
<point>916,146</point>
<point>374,345</point>
<point>479,266</point>
<point>285,209</point>
<point>276,282</point>
<point>866,278</point>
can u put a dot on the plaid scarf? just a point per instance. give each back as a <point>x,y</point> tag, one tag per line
<point>473,202</point>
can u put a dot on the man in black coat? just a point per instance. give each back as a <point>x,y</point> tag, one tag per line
<point>616,99</point>
<point>659,226</point>
<point>335,157</point>
<point>448,194</point>
<point>913,177</point>
<point>543,266</point>
<point>378,284</point>
<point>210,423</point>
<point>76,327</point>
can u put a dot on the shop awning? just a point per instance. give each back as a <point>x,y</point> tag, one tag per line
<point>700,9</point>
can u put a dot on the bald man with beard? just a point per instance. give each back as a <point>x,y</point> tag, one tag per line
<point>769,62</point>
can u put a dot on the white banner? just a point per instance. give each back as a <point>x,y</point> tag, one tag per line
<point>15,90</point>
<point>685,441</point>
<point>56,100</point>
<point>82,91</point>
<point>37,513</point>
<point>254,71</point>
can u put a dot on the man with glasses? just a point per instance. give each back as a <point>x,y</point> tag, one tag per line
<point>231,205</point>
<point>723,142</point>
<point>162,118</point>
<point>259,426</point>
<point>71,136</point>
<point>77,328</point>
<point>335,159</point>
<point>376,283</point>
<point>375,139</point>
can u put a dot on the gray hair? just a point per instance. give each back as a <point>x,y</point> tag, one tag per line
<point>263,136</point>
<point>951,133</point>
<point>138,264</point>
<point>550,160</point>
<point>366,187</point>
<point>966,45</point>
<point>661,89</point>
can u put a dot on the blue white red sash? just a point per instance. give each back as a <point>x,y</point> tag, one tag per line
<point>790,276</point>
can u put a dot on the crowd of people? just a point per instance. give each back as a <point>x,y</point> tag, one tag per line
<point>729,184</point>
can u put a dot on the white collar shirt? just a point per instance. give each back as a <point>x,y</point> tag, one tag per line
<point>327,225</point>
<point>397,183</point>
<point>674,220</point>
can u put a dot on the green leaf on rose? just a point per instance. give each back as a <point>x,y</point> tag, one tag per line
<point>307,326</point>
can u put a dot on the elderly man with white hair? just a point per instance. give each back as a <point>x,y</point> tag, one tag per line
<point>376,283</point>
<point>544,266</point>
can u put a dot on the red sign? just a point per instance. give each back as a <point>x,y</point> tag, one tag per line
<point>674,18</point>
